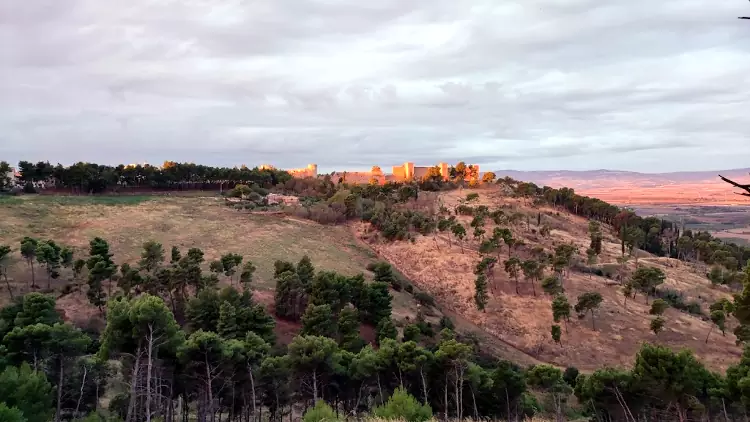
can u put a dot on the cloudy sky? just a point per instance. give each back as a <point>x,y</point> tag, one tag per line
<point>510,84</point>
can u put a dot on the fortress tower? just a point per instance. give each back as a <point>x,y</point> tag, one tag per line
<point>444,171</point>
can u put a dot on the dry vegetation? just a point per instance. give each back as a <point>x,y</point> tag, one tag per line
<point>523,321</point>
<point>514,326</point>
<point>202,222</point>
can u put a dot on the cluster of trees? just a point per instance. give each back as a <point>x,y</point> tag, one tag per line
<point>96,178</point>
<point>220,365</point>
<point>654,235</point>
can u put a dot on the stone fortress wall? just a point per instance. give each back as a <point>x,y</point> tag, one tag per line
<point>400,173</point>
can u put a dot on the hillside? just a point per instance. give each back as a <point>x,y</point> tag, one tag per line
<point>514,326</point>
<point>186,222</point>
<point>523,321</point>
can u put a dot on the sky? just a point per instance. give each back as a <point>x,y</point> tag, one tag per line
<point>636,85</point>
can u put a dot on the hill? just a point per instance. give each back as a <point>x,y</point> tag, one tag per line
<point>631,188</point>
<point>522,321</point>
<point>514,326</point>
<point>184,221</point>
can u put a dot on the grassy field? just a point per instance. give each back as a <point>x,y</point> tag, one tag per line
<point>126,222</point>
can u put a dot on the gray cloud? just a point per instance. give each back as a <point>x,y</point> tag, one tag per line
<point>534,84</point>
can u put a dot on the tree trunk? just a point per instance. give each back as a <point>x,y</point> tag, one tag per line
<point>33,276</point>
<point>424,385</point>
<point>80,394</point>
<point>209,390</point>
<point>252,386</point>
<point>7,284</point>
<point>315,386</point>
<point>148,372</point>
<point>59,389</point>
<point>445,396</point>
<point>709,333</point>
<point>133,385</point>
<point>593,320</point>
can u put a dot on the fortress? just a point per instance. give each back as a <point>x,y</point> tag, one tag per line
<point>400,173</point>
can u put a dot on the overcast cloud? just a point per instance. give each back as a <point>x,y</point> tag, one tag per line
<point>638,85</point>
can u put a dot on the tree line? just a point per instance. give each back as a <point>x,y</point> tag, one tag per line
<point>96,178</point>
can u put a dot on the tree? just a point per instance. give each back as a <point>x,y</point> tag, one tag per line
<point>348,325</point>
<point>28,391</point>
<point>229,263</point>
<point>48,254</point>
<point>152,256</point>
<point>287,297</point>
<point>588,302</point>
<point>591,258</point>
<point>657,325</point>
<point>556,334</point>
<point>412,332</point>
<point>386,329</point>
<point>10,414</point>
<point>532,271</point>
<point>459,231</point>
<point>403,406</point>
<point>561,309</point>
<point>5,254</point>
<point>552,286</point>
<point>658,307</point>
<point>141,327</point>
<point>489,177</point>
<point>204,353</point>
<point>454,357</point>
<point>379,303</point>
<point>246,276</point>
<point>5,180</point>
<point>65,344</point>
<point>512,267</point>
<point>318,321</point>
<point>28,251</point>
<point>718,319</point>
<point>312,358</point>
<point>646,279</point>
<point>480,292</point>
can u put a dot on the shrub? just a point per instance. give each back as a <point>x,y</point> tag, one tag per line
<point>412,332</point>
<point>446,322</point>
<point>424,299</point>
<point>570,375</point>
<point>402,406</point>
<point>321,412</point>
<point>472,196</point>
<point>409,288</point>
<point>464,210</point>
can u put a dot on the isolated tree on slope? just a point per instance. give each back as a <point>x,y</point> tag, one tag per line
<point>587,303</point>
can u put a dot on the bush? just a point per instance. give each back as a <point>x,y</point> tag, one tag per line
<point>409,288</point>
<point>464,210</point>
<point>446,322</point>
<point>570,375</point>
<point>402,406</point>
<point>472,196</point>
<point>424,299</point>
<point>321,412</point>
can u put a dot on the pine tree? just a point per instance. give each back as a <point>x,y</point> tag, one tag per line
<point>561,309</point>
<point>306,273</point>
<point>480,292</point>
<point>386,329</point>
<point>318,321</point>
<point>348,325</point>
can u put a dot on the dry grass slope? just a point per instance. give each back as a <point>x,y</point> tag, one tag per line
<point>523,321</point>
<point>202,222</point>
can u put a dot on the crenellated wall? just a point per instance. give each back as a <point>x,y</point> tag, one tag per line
<point>400,173</point>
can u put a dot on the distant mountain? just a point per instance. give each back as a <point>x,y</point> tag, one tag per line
<point>594,179</point>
